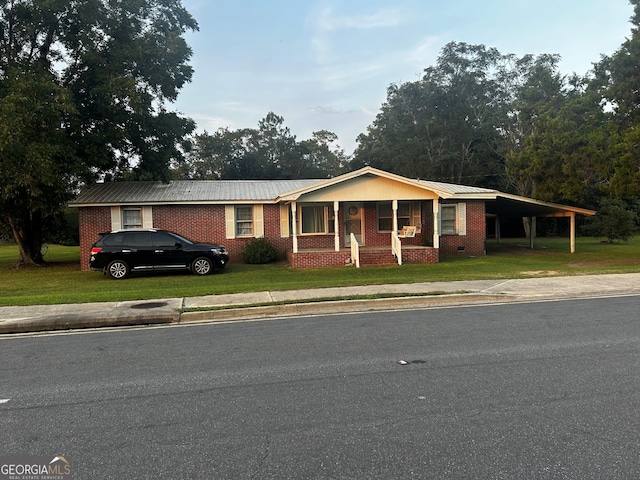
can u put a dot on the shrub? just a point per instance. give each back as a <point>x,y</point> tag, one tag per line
<point>613,221</point>
<point>259,250</point>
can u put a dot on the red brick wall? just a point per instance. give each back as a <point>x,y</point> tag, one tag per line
<point>93,221</point>
<point>473,243</point>
<point>206,223</point>
<point>318,259</point>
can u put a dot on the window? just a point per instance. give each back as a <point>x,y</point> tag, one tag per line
<point>139,239</point>
<point>408,214</point>
<point>244,221</point>
<point>448,219</point>
<point>313,219</point>
<point>131,218</point>
<point>165,240</point>
<point>316,219</point>
<point>385,217</point>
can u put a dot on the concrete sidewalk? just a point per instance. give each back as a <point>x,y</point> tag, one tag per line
<point>308,302</point>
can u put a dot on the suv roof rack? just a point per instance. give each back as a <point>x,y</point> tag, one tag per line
<point>134,230</point>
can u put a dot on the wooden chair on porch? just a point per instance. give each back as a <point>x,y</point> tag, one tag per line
<point>408,231</point>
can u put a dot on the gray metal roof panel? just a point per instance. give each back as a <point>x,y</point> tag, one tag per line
<point>454,188</point>
<point>186,191</point>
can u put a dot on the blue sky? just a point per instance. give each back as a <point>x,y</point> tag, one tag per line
<point>326,64</point>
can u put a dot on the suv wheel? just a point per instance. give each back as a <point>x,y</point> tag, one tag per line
<point>202,266</point>
<point>118,270</point>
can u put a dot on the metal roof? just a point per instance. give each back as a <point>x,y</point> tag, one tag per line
<point>273,191</point>
<point>188,191</point>
<point>456,189</point>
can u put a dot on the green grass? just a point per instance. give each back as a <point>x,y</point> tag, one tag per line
<point>62,281</point>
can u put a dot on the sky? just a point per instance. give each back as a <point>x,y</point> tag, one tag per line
<point>326,64</point>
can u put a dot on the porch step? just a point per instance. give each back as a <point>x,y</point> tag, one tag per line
<point>377,257</point>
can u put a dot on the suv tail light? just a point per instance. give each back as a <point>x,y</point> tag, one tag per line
<point>95,250</point>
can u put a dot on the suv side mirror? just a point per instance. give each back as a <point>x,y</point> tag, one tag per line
<point>178,245</point>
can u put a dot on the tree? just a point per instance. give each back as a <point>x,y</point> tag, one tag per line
<point>565,141</point>
<point>83,91</point>
<point>268,152</point>
<point>322,156</point>
<point>445,126</point>
<point>618,78</point>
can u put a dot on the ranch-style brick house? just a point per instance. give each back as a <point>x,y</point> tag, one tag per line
<point>364,217</point>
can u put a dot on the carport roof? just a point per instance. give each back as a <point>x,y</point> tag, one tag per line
<point>507,205</point>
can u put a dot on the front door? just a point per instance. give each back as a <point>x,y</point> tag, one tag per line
<point>353,223</point>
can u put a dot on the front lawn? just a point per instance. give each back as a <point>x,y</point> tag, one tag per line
<point>62,281</point>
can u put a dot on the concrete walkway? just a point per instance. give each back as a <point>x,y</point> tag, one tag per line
<point>256,305</point>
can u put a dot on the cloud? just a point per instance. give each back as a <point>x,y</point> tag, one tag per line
<point>331,110</point>
<point>426,52</point>
<point>327,25</point>
<point>347,74</point>
<point>383,18</point>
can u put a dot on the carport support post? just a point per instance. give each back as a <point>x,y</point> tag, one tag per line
<point>532,230</point>
<point>572,220</point>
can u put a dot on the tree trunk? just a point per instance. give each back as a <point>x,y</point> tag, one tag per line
<point>28,237</point>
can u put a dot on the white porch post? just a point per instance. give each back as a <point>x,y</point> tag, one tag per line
<point>436,223</point>
<point>294,225</point>
<point>336,226</point>
<point>394,207</point>
<point>572,219</point>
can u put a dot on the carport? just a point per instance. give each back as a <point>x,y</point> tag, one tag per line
<point>507,205</point>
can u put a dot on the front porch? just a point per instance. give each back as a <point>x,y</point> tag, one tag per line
<point>368,256</point>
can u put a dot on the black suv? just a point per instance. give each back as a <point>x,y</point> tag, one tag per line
<point>121,252</point>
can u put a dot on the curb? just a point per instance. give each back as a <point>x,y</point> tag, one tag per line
<point>339,306</point>
<point>79,321</point>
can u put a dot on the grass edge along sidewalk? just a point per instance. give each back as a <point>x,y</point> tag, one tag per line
<point>62,281</point>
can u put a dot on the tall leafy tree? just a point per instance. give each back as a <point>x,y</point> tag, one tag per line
<point>444,126</point>
<point>322,156</point>
<point>618,77</point>
<point>268,152</point>
<point>539,95</point>
<point>84,86</point>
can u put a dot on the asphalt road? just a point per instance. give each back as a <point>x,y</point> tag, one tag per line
<point>546,390</point>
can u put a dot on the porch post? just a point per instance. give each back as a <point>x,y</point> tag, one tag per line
<point>572,218</point>
<point>394,207</point>
<point>336,226</point>
<point>294,225</point>
<point>436,223</point>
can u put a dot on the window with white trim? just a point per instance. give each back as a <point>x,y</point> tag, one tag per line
<point>316,219</point>
<point>131,218</point>
<point>408,214</point>
<point>244,221</point>
<point>448,223</point>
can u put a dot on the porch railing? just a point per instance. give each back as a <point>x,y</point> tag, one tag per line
<point>396,247</point>
<point>355,251</point>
